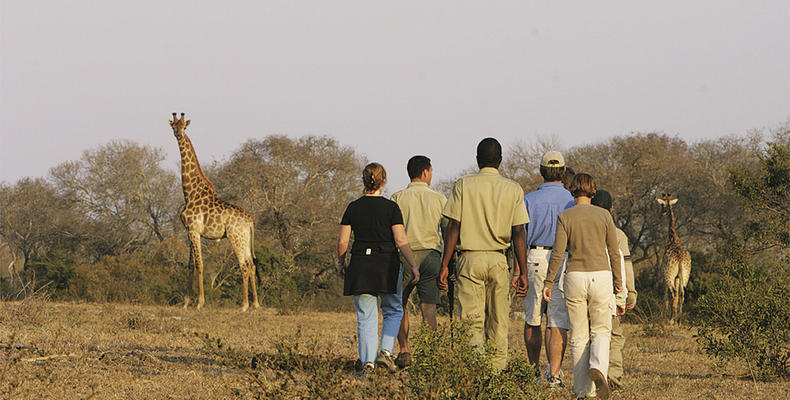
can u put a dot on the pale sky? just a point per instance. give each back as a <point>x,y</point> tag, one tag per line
<point>391,79</point>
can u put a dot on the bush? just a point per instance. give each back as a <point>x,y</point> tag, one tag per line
<point>745,314</point>
<point>447,366</point>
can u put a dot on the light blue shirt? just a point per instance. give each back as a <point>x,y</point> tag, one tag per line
<point>543,207</point>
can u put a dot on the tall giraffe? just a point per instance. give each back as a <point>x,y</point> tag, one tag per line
<point>676,267</point>
<point>205,215</point>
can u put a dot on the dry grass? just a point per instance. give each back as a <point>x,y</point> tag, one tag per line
<point>56,350</point>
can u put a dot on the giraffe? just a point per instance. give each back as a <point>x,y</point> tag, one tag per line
<point>676,267</point>
<point>206,215</point>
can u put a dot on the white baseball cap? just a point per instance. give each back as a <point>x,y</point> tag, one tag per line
<point>552,158</point>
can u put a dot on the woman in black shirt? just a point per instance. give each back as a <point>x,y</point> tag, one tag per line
<point>375,269</point>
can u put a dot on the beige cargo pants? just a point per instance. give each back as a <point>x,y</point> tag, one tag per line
<point>482,286</point>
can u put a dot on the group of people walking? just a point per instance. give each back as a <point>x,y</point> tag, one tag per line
<point>570,263</point>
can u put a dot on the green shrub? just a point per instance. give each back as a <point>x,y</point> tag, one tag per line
<point>447,366</point>
<point>745,314</point>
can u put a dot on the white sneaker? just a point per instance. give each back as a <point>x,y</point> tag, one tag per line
<point>544,379</point>
<point>555,382</point>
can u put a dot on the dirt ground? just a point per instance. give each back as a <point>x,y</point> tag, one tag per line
<point>107,351</point>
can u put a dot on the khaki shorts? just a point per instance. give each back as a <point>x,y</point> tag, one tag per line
<point>557,313</point>
<point>537,267</point>
<point>430,264</point>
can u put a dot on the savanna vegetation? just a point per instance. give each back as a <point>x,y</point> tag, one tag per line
<point>103,229</point>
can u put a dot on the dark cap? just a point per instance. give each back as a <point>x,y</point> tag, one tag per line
<point>602,199</point>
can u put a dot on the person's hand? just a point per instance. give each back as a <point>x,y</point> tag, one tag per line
<point>415,273</point>
<point>340,268</point>
<point>442,281</point>
<point>620,311</point>
<point>618,289</point>
<point>519,282</point>
<point>547,294</point>
<point>629,307</point>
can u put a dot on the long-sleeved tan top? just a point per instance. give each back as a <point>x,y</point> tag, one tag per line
<point>588,233</point>
<point>628,295</point>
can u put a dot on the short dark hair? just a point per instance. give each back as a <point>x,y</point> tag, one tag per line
<point>552,174</point>
<point>583,185</point>
<point>489,153</point>
<point>569,174</point>
<point>416,165</point>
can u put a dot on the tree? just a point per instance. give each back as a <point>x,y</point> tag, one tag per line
<point>35,219</point>
<point>121,188</point>
<point>296,188</point>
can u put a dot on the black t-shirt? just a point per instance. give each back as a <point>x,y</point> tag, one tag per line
<point>374,265</point>
<point>371,218</point>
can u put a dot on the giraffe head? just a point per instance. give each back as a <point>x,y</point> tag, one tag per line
<point>666,201</point>
<point>179,125</point>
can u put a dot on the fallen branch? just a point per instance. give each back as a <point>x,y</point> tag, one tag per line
<point>45,358</point>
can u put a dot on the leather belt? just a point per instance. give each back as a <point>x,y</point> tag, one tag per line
<point>503,251</point>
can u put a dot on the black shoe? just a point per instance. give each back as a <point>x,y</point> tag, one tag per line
<point>403,360</point>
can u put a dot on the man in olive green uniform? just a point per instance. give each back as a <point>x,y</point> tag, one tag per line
<point>486,212</point>
<point>624,301</point>
<point>422,217</point>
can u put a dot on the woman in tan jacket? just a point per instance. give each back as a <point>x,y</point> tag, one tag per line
<point>588,234</point>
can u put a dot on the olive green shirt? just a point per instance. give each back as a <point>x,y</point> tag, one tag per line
<point>488,206</point>
<point>627,296</point>
<point>588,233</point>
<point>422,215</point>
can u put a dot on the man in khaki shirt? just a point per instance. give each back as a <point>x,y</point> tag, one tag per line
<point>486,212</point>
<point>422,216</point>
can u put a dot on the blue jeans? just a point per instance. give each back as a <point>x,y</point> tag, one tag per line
<point>368,321</point>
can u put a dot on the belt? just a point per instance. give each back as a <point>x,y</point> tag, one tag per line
<point>503,251</point>
<point>540,247</point>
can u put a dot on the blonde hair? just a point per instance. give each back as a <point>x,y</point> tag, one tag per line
<point>374,176</point>
<point>582,185</point>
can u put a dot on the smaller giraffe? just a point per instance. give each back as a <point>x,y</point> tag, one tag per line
<point>676,268</point>
<point>204,214</point>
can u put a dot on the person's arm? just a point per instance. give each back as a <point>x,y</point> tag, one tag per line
<point>342,248</point>
<point>557,254</point>
<point>630,300</point>
<point>519,239</point>
<point>399,233</point>
<point>450,240</point>
<point>614,254</point>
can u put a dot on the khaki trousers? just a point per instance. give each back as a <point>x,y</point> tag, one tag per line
<point>616,353</point>
<point>589,293</point>
<point>482,286</point>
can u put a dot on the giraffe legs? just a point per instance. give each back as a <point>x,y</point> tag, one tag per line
<point>681,298</point>
<point>197,265</point>
<point>191,279</point>
<point>247,268</point>
<point>254,285</point>
<point>670,301</point>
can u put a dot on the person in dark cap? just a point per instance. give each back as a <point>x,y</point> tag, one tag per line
<point>624,301</point>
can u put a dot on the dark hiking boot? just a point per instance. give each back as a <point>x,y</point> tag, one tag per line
<point>403,360</point>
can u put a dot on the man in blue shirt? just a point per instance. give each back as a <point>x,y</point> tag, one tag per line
<point>543,206</point>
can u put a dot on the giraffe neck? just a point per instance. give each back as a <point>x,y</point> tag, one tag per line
<point>673,234</point>
<point>193,182</point>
